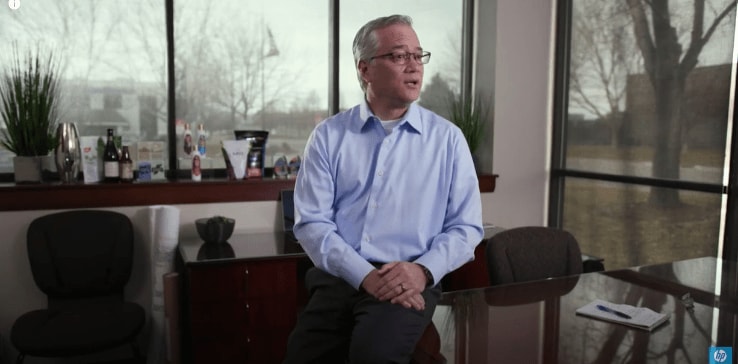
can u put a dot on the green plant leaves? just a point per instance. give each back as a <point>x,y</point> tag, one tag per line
<point>470,116</point>
<point>29,97</point>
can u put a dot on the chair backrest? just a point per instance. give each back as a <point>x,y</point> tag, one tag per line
<point>532,253</point>
<point>81,253</point>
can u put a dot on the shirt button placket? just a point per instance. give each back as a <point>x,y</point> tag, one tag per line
<point>376,186</point>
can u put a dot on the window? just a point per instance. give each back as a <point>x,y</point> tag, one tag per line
<point>250,65</point>
<point>238,65</point>
<point>438,25</point>
<point>113,62</point>
<point>640,147</point>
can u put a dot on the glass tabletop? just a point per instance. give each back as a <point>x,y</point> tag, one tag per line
<point>240,246</point>
<point>535,322</point>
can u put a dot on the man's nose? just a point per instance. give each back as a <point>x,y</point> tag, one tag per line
<point>412,65</point>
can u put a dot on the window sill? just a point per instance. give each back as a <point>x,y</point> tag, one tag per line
<point>79,195</point>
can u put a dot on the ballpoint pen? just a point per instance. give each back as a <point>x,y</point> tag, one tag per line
<point>615,312</point>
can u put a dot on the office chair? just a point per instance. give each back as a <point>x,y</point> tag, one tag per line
<point>532,253</point>
<point>81,260</point>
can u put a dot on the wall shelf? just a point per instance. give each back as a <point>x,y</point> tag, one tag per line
<point>79,195</point>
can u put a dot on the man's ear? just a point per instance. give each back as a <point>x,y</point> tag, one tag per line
<point>362,67</point>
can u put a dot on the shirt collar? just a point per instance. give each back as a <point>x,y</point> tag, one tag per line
<point>412,117</point>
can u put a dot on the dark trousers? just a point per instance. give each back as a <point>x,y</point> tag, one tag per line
<point>343,325</point>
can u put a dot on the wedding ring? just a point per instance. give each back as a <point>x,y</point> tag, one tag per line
<point>402,287</point>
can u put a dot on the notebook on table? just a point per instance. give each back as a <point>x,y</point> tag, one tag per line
<point>638,317</point>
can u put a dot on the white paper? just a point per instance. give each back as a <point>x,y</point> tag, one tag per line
<point>164,227</point>
<point>640,317</point>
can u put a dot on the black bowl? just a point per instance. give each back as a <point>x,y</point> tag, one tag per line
<point>209,251</point>
<point>215,231</point>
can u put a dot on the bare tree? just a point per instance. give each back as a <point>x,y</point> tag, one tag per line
<point>221,66</point>
<point>146,41</point>
<point>72,29</point>
<point>438,95</point>
<point>97,42</point>
<point>193,60</point>
<point>601,57</point>
<point>667,64</point>
<point>227,71</point>
<point>255,78</point>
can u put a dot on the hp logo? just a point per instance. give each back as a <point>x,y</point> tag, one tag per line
<point>721,355</point>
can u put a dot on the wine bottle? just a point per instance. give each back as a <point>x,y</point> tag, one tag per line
<point>111,161</point>
<point>126,166</point>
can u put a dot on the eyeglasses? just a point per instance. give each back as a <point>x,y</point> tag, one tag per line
<point>402,57</point>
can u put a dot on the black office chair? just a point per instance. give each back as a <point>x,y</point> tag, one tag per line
<point>81,260</point>
<point>532,253</point>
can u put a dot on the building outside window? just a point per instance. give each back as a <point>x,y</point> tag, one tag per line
<point>238,65</point>
<point>638,176</point>
<point>640,163</point>
<point>113,63</point>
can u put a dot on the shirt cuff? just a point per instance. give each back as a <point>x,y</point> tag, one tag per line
<point>354,269</point>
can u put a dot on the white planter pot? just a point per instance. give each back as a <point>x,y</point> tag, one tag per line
<point>30,169</point>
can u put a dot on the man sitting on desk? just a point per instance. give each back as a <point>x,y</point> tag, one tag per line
<point>387,202</point>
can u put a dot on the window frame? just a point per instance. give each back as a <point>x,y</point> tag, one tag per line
<point>559,172</point>
<point>178,188</point>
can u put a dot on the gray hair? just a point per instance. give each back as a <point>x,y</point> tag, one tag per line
<point>366,44</point>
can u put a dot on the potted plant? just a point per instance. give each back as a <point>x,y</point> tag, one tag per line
<point>469,115</point>
<point>29,100</point>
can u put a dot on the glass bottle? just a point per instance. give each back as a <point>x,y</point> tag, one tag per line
<point>187,143</point>
<point>202,137</point>
<point>196,169</point>
<point>126,165</point>
<point>253,169</point>
<point>111,160</point>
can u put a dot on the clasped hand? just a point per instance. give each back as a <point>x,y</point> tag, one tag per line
<point>399,282</point>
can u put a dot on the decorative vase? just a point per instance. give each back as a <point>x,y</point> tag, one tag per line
<point>67,152</point>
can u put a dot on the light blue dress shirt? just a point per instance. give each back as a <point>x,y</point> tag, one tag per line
<point>364,196</point>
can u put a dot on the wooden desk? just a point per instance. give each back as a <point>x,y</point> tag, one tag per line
<point>240,299</point>
<point>535,322</point>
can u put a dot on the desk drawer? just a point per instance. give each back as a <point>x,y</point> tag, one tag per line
<point>270,278</point>
<point>267,345</point>
<point>228,312</point>
<point>236,281</point>
<point>216,283</point>
<point>277,311</point>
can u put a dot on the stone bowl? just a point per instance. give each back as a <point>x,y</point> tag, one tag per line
<point>215,229</point>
